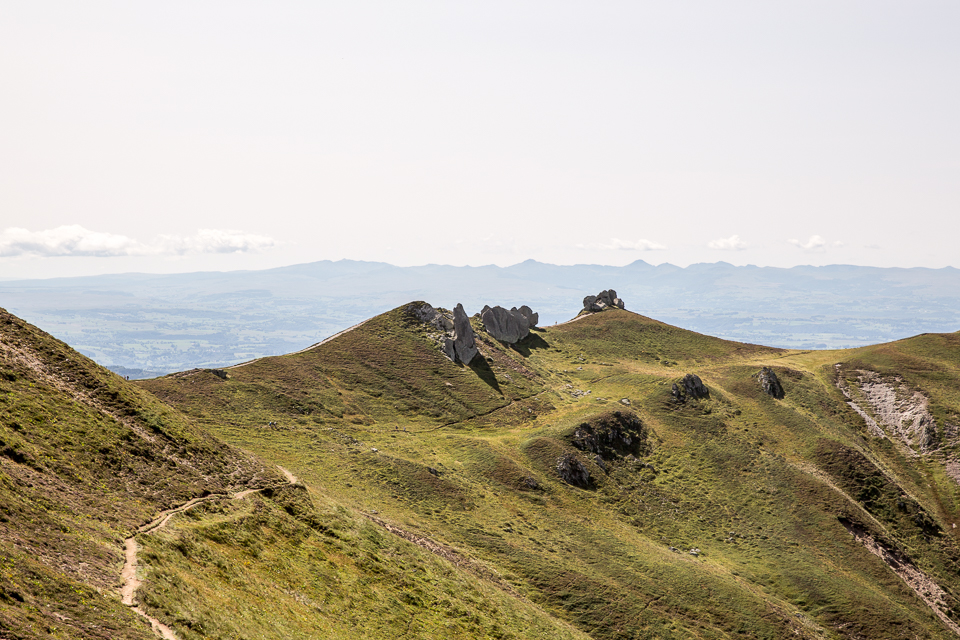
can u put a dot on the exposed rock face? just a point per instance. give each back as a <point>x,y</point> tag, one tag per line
<point>604,300</point>
<point>572,471</point>
<point>770,383</point>
<point>456,339</point>
<point>694,387</point>
<point>507,326</point>
<point>461,345</point>
<point>428,315</point>
<point>528,313</point>
<point>690,387</point>
<point>895,409</point>
<point>612,436</point>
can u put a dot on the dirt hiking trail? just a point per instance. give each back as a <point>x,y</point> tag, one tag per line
<point>128,575</point>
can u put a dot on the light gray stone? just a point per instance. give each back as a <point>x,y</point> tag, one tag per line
<point>506,326</point>
<point>528,313</point>
<point>607,299</point>
<point>464,346</point>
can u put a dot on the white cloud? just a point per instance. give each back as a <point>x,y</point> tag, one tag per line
<point>815,244</point>
<point>68,240</point>
<point>216,241</point>
<point>733,243</point>
<point>624,245</point>
<point>76,241</point>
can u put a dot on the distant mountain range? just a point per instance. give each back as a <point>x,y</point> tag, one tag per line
<point>146,324</point>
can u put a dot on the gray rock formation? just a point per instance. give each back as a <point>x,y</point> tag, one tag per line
<point>770,383</point>
<point>572,471</point>
<point>528,313</point>
<point>694,387</point>
<point>506,326</point>
<point>604,300</point>
<point>465,345</point>
<point>456,339</point>
<point>612,435</point>
<point>426,314</point>
<point>690,387</point>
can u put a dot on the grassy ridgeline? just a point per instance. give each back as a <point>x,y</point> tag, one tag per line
<point>735,522</point>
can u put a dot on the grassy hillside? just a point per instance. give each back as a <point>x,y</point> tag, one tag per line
<point>87,459</point>
<point>736,515</point>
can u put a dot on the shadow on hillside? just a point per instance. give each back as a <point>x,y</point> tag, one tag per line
<point>482,368</point>
<point>526,346</point>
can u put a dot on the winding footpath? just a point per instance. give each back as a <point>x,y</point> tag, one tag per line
<point>128,575</point>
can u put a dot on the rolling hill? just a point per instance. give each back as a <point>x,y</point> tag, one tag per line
<point>575,484</point>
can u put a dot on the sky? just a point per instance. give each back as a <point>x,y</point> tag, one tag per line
<point>213,135</point>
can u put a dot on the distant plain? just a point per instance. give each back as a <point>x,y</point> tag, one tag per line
<point>143,325</point>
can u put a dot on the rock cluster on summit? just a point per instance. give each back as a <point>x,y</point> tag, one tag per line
<point>509,326</point>
<point>604,300</point>
<point>461,347</point>
<point>457,339</point>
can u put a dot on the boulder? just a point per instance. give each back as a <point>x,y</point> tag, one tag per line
<point>612,435</point>
<point>572,471</point>
<point>607,299</point>
<point>456,340</point>
<point>770,383</point>
<point>426,314</point>
<point>691,386</point>
<point>528,313</point>
<point>506,326</point>
<point>464,346</point>
<point>694,387</point>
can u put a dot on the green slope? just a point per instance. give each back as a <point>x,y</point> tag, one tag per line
<point>770,492</point>
<point>87,459</point>
<point>429,502</point>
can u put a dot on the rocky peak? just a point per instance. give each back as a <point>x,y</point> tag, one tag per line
<point>456,340</point>
<point>604,300</point>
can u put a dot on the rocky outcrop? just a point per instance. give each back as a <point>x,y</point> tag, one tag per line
<point>604,300</point>
<point>508,326</point>
<point>456,337</point>
<point>572,471</point>
<point>893,408</point>
<point>532,317</point>
<point>461,347</point>
<point>770,383</point>
<point>426,314</point>
<point>691,387</point>
<point>612,436</point>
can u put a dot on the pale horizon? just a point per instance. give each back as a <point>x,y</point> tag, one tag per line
<point>178,138</point>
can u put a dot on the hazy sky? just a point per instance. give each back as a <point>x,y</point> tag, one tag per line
<point>173,136</point>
